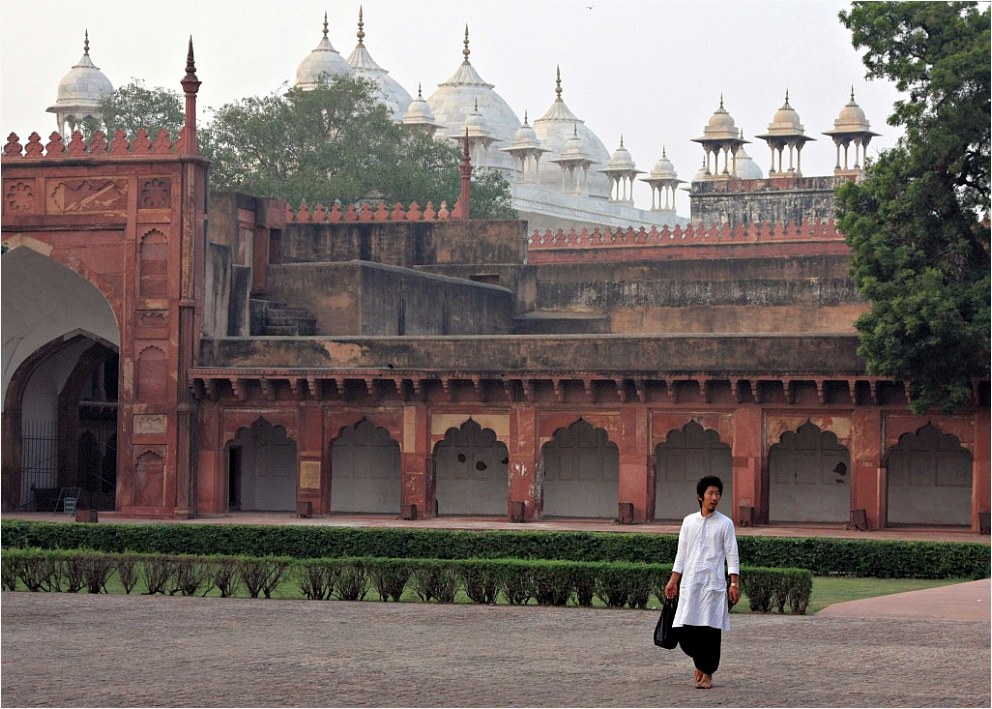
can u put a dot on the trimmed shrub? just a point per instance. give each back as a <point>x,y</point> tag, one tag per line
<point>351,583</point>
<point>435,580</point>
<point>389,576</point>
<point>315,578</point>
<point>480,579</point>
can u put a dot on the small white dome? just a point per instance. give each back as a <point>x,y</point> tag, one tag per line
<point>663,169</point>
<point>324,62</point>
<point>621,159</point>
<point>785,121</point>
<point>83,88</point>
<point>852,118</point>
<point>419,112</point>
<point>525,137</point>
<point>721,125</point>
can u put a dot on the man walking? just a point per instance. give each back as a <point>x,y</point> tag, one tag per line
<point>707,544</point>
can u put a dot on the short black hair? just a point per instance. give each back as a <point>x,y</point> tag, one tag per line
<point>708,481</point>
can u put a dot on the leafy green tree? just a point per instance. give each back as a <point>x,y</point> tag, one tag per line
<point>918,224</point>
<point>336,142</point>
<point>133,106</point>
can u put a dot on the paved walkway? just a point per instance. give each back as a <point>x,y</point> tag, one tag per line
<point>95,650</point>
<point>916,649</point>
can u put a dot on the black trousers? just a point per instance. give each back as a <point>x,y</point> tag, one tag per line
<point>702,644</point>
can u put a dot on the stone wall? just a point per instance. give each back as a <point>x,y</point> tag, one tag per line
<point>407,243</point>
<point>775,200</point>
<point>359,298</point>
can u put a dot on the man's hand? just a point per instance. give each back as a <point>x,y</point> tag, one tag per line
<point>734,592</point>
<point>671,589</point>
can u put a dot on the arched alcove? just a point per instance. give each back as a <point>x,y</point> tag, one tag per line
<point>470,472</point>
<point>580,473</point>
<point>263,468</point>
<point>929,479</point>
<point>809,476</point>
<point>687,455</point>
<point>365,470</point>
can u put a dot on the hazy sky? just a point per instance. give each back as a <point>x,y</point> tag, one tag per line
<point>652,71</point>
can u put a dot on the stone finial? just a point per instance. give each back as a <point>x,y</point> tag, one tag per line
<point>466,51</point>
<point>558,83</point>
<point>86,44</point>
<point>361,26</point>
<point>325,23</point>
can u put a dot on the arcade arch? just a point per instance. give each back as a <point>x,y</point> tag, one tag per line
<point>60,376</point>
<point>262,469</point>
<point>470,472</point>
<point>809,477</point>
<point>929,479</point>
<point>685,456</point>
<point>365,470</point>
<point>580,473</point>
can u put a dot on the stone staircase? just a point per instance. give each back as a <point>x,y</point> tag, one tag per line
<point>274,318</point>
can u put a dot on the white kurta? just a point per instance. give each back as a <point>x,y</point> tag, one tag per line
<point>706,545</point>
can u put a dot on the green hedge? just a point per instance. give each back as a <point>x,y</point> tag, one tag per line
<point>821,555</point>
<point>544,582</point>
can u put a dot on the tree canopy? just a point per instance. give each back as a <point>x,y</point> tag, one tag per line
<point>335,142</point>
<point>918,223</point>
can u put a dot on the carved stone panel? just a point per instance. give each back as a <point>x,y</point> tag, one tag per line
<point>87,195</point>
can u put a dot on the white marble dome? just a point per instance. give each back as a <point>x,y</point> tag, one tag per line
<point>745,168</point>
<point>459,96</point>
<point>323,62</point>
<point>395,98</point>
<point>554,129</point>
<point>81,91</point>
<point>621,158</point>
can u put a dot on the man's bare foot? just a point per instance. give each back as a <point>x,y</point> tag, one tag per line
<point>705,682</point>
<point>699,676</point>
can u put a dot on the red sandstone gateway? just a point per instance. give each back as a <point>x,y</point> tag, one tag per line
<point>407,360</point>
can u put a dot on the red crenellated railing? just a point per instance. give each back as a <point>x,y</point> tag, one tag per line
<point>364,213</point>
<point>682,235</point>
<point>142,146</point>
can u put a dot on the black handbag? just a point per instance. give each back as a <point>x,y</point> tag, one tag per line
<point>664,634</point>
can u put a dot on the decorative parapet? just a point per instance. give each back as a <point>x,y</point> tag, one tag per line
<point>364,213</point>
<point>142,146</point>
<point>683,235</point>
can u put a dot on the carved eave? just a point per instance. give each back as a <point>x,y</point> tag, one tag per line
<point>592,388</point>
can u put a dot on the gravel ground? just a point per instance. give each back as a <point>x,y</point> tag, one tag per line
<point>83,650</point>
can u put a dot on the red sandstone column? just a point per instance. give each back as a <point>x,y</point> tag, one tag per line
<point>633,478</point>
<point>523,454</point>
<point>748,454</point>
<point>868,483</point>
<point>981,487</point>
<point>311,456</point>
<point>417,488</point>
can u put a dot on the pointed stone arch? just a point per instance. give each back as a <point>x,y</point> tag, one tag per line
<point>686,455</point>
<point>579,474</point>
<point>365,470</point>
<point>263,468</point>
<point>929,479</point>
<point>471,471</point>
<point>809,477</point>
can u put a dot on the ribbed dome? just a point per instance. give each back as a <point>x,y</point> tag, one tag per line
<point>392,95</point>
<point>324,61</point>
<point>465,92</point>
<point>83,88</point>
<point>785,121</point>
<point>554,129</point>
